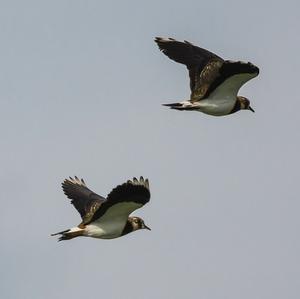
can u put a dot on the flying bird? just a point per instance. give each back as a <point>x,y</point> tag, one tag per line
<point>106,218</point>
<point>214,82</point>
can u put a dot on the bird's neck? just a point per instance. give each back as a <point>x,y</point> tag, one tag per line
<point>236,107</point>
<point>128,228</point>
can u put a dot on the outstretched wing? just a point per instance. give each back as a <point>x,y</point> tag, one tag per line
<point>84,200</point>
<point>203,65</point>
<point>235,73</point>
<point>123,200</point>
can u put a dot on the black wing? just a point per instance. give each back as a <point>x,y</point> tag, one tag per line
<point>124,199</point>
<point>195,59</point>
<point>84,200</point>
<point>231,68</point>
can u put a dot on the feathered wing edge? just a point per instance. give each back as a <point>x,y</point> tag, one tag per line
<point>135,191</point>
<point>185,52</point>
<point>206,70</point>
<point>230,68</point>
<point>202,64</point>
<point>84,200</point>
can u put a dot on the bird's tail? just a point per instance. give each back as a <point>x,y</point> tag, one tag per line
<point>69,234</point>
<point>185,105</point>
<point>177,106</point>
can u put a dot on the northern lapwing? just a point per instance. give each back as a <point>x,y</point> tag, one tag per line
<point>106,218</point>
<point>214,82</point>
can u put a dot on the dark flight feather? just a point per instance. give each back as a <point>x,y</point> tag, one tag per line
<point>136,191</point>
<point>92,206</point>
<point>206,70</point>
<point>83,199</point>
<point>195,58</point>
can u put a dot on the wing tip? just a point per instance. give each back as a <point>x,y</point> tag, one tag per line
<point>139,182</point>
<point>134,190</point>
<point>67,185</point>
<point>165,40</point>
<point>74,181</point>
<point>161,41</point>
<point>246,67</point>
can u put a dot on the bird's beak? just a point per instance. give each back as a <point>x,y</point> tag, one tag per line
<point>251,109</point>
<point>146,227</point>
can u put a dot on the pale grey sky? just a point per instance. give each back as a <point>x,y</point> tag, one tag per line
<point>82,84</point>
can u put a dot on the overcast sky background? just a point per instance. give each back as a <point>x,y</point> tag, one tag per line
<point>82,84</point>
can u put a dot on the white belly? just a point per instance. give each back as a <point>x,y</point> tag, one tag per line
<point>104,230</point>
<point>216,107</point>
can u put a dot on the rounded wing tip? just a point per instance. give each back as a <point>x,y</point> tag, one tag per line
<point>140,182</point>
<point>159,39</point>
<point>254,68</point>
<point>74,181</point>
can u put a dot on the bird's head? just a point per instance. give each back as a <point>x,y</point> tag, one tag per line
<point>138,223</point>
<point>245,103</point>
